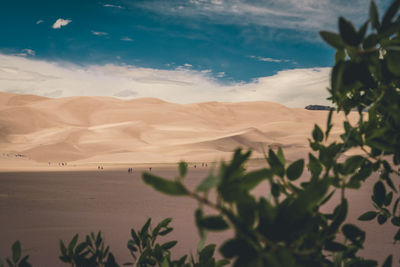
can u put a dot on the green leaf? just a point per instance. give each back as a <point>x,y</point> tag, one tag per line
<point>388,199</point>
<point>135,237</point>
<point>354,234</point>
<point>281,157</point>
<point>328,124</point>
<point>389,14</point>
<point>334,246</point>
<point>233,247</point>
<point>368,216</point>
<point>63,248</point>
<point>352,163</point>
<point>333,39</point>
<point>396,221</point>
<point>317,134</point>
<point>214,223</point>
<point>348,32</point>
<point>379,193</point>
<point>207,253</point>
<point>16,251</point>
<point>208,183</point>
<point>165,186</point>
<point>396,203</point>
<point>397,236</point>
<point>72,244</point>
<point>182,169</point>
<point>252,179</point>
<point>388,262</point>
<point>275,163</point>
<point>393,62</point>
<point>340,55</point>
<point>374,16</point>
<point>314,165</point>
<point>382,219</point>
<point>295,170</point>
<point>169,245</point>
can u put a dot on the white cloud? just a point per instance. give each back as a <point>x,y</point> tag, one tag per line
<point>187,65</point>
<point>299,15</point>
<point>294,88</point>
<point>26,52</point>
<point>127,39</point>
<point>268,59</point>
<point>99,33</point>
<point>114,6</point>
<point>39,21</point>
<point>60,23</point>
<point>220,74</point>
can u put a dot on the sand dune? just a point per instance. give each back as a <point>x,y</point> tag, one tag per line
<point>103,129</point>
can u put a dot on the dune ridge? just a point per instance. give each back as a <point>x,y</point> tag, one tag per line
<point>105,129</point>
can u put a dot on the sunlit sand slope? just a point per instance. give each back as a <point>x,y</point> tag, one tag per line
<point>103,129</point>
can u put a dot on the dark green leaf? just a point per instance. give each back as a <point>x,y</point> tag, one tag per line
<point>72,244</point>
<point>135,237</point>
<point>333,39</point>
<point>216,223</point>
<point>208,183</point>
<point>295,170</point>
<point>368,216</point>
<point>389,14</point>
<point>182,169</point>
<point>334,246</point>
<point>233,247</point>
<point>317,133</point>
<point>396,203</point>
<point>169,245</point>
<point>207,253</point>
<point>275,163</point>
<point>396,221</point>
<point>388,262</point>
<point>393,62</point>
<point>388,199</point>
<point>252,179</point>
<point>63,248</point>
<point>348,32</point>
<point>16,251</point>
<point>354,234</point>
<point>280,155</point>
<point>382,219</point>
<point>373,16</point>
<point>379,193</point>
<point>165,186</point>
<point>314,165</point>
<point>397,236</point>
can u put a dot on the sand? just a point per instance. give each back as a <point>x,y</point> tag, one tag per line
<point>50,151</point>
<point>40,208</point>
<point>38,132</point>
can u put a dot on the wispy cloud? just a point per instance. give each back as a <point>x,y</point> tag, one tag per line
<point>268,59</point>
<point>126,39</point>
<point>299,15</point>
<point>60,23</point>
<point>114,6</point>
<point>26,52</point>
<point>39,21</point>
<point>99,33</point>
<point>180,85</point>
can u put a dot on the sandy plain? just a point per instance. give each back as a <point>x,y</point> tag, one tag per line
<point>42,201</point>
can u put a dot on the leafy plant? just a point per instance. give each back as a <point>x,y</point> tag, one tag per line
<point>90,252</point>
<point>16,260</point>
<point>287,226</point>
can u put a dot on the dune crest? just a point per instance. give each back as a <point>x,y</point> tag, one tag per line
<point>104,129</point>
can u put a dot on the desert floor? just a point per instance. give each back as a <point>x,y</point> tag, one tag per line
<point>40,208</point>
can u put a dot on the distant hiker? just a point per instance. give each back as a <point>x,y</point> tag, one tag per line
<point>195,166</point>
<point>98,167</point>
<point>150,168</point>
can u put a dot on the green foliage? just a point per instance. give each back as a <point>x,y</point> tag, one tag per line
<point>16,260</point>
<point>287,227</point>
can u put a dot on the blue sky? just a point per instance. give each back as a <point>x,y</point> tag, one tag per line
<point>233,50</point>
